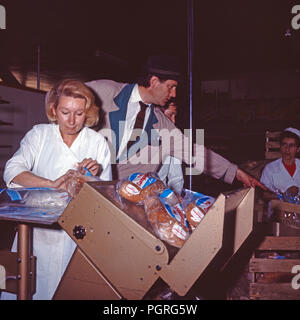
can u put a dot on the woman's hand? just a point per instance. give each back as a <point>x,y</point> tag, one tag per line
<point>60,183</point>
<point>92,165</point>
<point>71,182</point>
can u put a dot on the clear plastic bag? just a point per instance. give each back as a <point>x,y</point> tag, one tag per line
<point>75,180</point>
<point>167,218</point>
<point>196,206</point>
<point>291,195</point>
<point>139,186</point>
<point>35,197</point>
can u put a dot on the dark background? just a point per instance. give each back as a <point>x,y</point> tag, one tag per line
<point>229,36</point>
<point>239,35</point>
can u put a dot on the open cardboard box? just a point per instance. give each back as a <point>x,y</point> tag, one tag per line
<point>118,256</point>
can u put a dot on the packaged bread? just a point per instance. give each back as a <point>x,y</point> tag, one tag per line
<point>167,218</point>
<point>75,179</point>
<point>168,196</point>
<point>196,206</point>
<point>138,186</point>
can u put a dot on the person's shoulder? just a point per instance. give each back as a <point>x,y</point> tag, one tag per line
<point>37,132</point>
<point>105,85</point>
<point>158,111</point>
<point>163,120</point>
<point>92,134</point>
<point>42,127</point>
<point>274,164</point>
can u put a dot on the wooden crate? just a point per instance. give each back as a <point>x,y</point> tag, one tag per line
<point>278,276</point>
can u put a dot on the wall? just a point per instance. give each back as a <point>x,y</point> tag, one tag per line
<point>20,109</point>
<point>236,111</point>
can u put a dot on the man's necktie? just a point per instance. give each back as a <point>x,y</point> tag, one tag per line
<point>139,123</point>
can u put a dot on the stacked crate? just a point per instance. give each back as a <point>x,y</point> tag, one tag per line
<point>275,269</point>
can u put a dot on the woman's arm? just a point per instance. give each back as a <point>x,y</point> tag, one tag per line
<point>23,159</point>
<point>28,179</point>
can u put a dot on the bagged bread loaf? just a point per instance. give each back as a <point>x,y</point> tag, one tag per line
<point>138,186</point>
<point>196,206</point>
<point>167,217</point>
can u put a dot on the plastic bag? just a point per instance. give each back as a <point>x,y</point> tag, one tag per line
<point>167,217</point>
<point>35,197</point>
<point>291,195</point>
<point>75,180</point>
<point>196,206</point>
<point>139,186</point>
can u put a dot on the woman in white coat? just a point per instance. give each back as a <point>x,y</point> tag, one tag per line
<point>283,173</point>
<point>46,154</point>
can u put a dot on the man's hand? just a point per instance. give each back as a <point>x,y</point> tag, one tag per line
<point>247,180</point>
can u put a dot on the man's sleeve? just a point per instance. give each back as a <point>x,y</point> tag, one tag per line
<point>203,160</point>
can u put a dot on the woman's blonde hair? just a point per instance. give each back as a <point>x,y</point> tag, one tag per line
<point>75,89</point>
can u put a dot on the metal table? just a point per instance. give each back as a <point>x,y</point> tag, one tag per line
<point>20,265</point>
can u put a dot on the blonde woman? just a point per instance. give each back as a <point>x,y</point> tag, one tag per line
<point>46,154</point>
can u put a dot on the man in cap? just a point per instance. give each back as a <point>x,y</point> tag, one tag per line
<point>284,173</point>
<point>142,148</point>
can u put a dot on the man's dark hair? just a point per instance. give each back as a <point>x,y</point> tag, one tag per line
<point>289,134</point>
